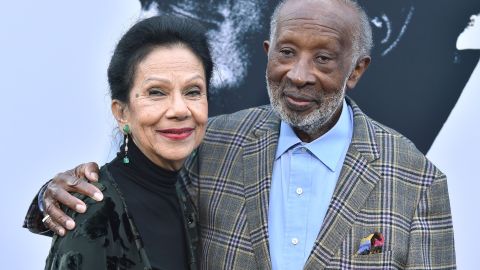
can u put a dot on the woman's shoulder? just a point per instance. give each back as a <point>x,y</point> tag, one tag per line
<point>101,230</point>
<point>99,215</point>
<point>109,209</point>
<point>112,200</point>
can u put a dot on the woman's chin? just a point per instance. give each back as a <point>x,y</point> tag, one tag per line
<point>172,159</point>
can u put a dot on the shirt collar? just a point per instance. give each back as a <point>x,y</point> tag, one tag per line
<point>329,148</point>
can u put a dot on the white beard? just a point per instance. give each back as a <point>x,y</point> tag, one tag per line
<point>312,122</point>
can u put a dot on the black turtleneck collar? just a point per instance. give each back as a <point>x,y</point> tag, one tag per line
<point>143,171</point>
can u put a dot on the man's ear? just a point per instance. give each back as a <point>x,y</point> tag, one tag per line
<point>266,46</point>
<point>358,71</point>
<point>119,111</point>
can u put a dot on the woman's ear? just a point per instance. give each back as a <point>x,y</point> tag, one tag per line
<point>120,112</point>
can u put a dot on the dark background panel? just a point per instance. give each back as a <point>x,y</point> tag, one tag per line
<point>415,78</point>
<point>414,87</point>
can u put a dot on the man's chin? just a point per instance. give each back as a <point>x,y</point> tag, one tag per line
<point>305,121</point>
<point>297,113</point>
<point>295,119</point>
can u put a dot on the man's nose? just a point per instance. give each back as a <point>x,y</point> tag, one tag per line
<point>301,73</point>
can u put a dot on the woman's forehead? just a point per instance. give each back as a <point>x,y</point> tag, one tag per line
<point>170,61</point>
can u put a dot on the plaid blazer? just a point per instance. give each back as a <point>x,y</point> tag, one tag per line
<point>386,185</point>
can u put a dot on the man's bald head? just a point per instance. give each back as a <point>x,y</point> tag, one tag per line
<point>362,41</point>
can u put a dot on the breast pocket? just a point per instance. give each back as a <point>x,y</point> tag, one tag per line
<point>382,260</point>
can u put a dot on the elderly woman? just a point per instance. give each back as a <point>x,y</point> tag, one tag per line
<point>158,75</point>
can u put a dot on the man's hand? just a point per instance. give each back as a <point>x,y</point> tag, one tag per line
<point>57,192</point>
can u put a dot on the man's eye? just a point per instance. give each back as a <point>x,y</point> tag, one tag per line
<point>323,59</point>
<point>287,52</point>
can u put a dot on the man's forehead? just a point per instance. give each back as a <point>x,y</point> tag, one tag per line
<point>328,13</point>
<point>316,23</point>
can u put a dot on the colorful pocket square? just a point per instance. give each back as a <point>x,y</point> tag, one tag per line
<point>371,244</point>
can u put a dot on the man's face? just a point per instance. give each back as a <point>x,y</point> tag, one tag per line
<point>309,63</point>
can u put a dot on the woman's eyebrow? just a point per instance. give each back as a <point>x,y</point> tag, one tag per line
<point>195,77</point>
<point>156,79</point>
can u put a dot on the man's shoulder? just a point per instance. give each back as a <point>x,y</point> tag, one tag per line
<point>377,137</point>
<point>401,153</point>
<point>384,132</point>
<point>391,150</point>
<point>240,121</point>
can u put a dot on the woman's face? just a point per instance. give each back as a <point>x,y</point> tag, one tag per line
<point>167,110</point>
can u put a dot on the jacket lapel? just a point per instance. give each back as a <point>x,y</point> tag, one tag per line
<point>357,179</point>
<point>258,156</point>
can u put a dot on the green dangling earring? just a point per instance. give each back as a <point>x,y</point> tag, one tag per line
<point>126,131</point>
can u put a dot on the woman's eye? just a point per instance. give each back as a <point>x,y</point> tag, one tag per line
<point>155,92</point>
<point>193,92</point>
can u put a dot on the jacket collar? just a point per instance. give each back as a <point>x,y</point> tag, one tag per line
<point>363,138</point>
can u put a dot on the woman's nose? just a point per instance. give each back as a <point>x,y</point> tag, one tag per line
<point>178,108</point>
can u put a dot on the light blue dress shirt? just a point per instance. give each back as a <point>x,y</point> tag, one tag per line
<point>303,181</point>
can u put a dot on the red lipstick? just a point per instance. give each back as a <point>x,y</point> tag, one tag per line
<point>176,134</point>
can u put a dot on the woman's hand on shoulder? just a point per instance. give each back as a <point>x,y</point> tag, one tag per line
<point>58,192</point>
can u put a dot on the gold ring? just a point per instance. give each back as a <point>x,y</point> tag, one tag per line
<point>44,219</point>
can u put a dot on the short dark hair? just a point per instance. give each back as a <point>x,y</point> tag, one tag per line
<point>148,34</point>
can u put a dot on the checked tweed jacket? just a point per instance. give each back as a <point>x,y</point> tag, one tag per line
<point>385,185</point>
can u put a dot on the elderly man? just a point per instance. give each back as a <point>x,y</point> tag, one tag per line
<point>310,181</point>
